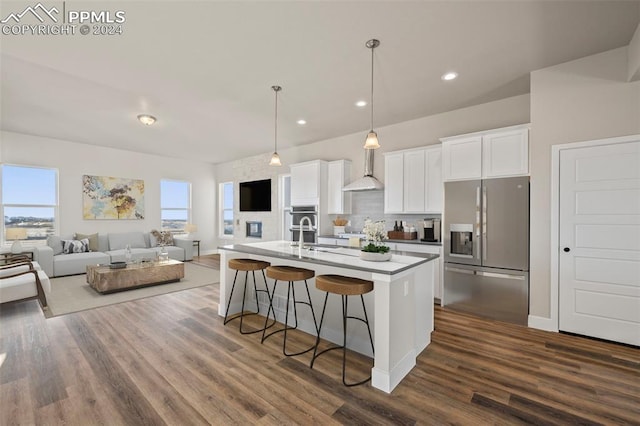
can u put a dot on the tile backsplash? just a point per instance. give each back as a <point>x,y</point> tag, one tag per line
<point>370,204</point>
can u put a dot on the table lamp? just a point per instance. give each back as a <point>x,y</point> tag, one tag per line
<point>190,229</point>
<point>16,234</point>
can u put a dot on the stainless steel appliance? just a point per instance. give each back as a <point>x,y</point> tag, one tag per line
<point>486,248</point>
<point>431,230</point>
<point>309,231</point>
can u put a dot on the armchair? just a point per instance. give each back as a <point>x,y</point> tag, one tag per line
<point>23,279</point>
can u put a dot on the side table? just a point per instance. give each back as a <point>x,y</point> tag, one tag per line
<point>196,243</point>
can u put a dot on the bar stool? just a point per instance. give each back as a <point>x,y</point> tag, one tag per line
<point>290,274</point>
<point>344,286</point>
<point>248,265</point>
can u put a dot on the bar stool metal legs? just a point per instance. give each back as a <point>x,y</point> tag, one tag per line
<point>248,265</point>
<point>344,286</point>
<point>290,274</point>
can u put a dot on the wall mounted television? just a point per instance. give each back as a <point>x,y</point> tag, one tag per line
<point>255,196</point>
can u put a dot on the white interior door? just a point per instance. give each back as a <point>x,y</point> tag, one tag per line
<point>599,267</point>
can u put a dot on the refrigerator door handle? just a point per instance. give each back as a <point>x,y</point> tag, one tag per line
<point>460,271</point>
<point>484,223</point>
<point>505,276</point>
<point>477,252</point>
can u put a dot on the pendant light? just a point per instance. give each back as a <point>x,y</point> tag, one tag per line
<point>275,158</point>
<point>372,137</point>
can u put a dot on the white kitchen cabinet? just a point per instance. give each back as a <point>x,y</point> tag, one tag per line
<point>343,242</point>
<point>434,188</point>
<point>327,241</point>
<point>505,153</point>
<point>394,182</point>
<point>487,154</point>
<point>413,181</point>
<point>462,158</point>
<point>438,269</point>
<point>338,176</point>
<point>307,183</point>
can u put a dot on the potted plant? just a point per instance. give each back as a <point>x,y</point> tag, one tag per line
<point>375,250</point>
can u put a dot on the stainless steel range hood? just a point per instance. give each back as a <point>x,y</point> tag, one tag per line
<point>368,182</point>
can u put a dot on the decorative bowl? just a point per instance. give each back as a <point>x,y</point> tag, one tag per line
<point>375,257</point>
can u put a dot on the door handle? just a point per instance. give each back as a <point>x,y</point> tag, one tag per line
<point>567,249</point>
<point>460,271</point>
<point>505,276</point>
<point>475,244</point>
<point>484,223</point>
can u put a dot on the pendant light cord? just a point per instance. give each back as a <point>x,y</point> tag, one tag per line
<point>372,87</point>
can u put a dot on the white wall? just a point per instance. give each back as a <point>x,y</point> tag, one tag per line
<point>581,100</point>
<point>74,160</point>
<point>409,134</point>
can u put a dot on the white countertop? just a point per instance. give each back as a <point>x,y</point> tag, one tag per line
<point>343,257</point>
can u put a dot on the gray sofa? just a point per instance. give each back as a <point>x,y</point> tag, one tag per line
<point>111,248</point>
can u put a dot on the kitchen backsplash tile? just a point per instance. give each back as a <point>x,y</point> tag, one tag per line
<point>370,204</point>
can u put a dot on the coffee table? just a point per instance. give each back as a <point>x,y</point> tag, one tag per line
<point>106,280</point>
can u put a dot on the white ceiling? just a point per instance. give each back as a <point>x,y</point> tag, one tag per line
<point>206,68</point>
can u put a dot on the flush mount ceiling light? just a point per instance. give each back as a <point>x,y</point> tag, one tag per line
<point>301,122</point>
<point>361,104</point>
<point>275,158</point>
<point>146,119</point>
<point>372,137</point>
<point>449,76</point>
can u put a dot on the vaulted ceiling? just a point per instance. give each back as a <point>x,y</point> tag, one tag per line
<point>205,68</point>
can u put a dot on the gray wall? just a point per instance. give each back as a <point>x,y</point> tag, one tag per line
<point>581,100</point>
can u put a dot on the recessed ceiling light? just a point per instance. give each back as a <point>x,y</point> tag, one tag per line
<point>449,76</point>
<point>146,119</point>
<point>302,122</point>
<point>361,104</point>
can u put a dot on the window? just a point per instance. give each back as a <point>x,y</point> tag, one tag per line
<point>226,209</point>
<point>29,203</point>
<point>175,204</point>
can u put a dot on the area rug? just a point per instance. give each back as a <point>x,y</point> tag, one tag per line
<point>73,294</point>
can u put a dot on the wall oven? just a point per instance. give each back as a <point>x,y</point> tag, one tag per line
<point>309,231</point>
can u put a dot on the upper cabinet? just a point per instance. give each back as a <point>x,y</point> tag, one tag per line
<point>307,179</point>
<point>462,158</point>
<point>488,154</point>
<point>413,181</point>
<point>338,176</point>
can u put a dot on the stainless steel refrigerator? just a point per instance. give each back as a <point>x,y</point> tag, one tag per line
<point>486,248</point>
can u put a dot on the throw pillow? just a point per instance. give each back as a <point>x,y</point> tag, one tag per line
<point>93,240</point>
<point>163,238</point>
<point>55,243</point>
<point>75,246</point>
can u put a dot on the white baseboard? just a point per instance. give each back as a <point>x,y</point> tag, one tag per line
<point>387,381</point>
<point>542,323</point>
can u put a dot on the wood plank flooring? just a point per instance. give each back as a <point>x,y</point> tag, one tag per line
<point>169,360</point>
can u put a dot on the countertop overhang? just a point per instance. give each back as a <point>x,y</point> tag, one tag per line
<point>337,256</point>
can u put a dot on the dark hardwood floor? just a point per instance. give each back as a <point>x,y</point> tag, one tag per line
<point>169,360</point>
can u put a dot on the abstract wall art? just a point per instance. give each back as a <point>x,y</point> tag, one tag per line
<point>106,197</point>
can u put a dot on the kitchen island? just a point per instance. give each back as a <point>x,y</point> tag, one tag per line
<point>400,307</point>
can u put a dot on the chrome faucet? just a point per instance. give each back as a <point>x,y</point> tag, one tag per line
<point>301,242</point>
